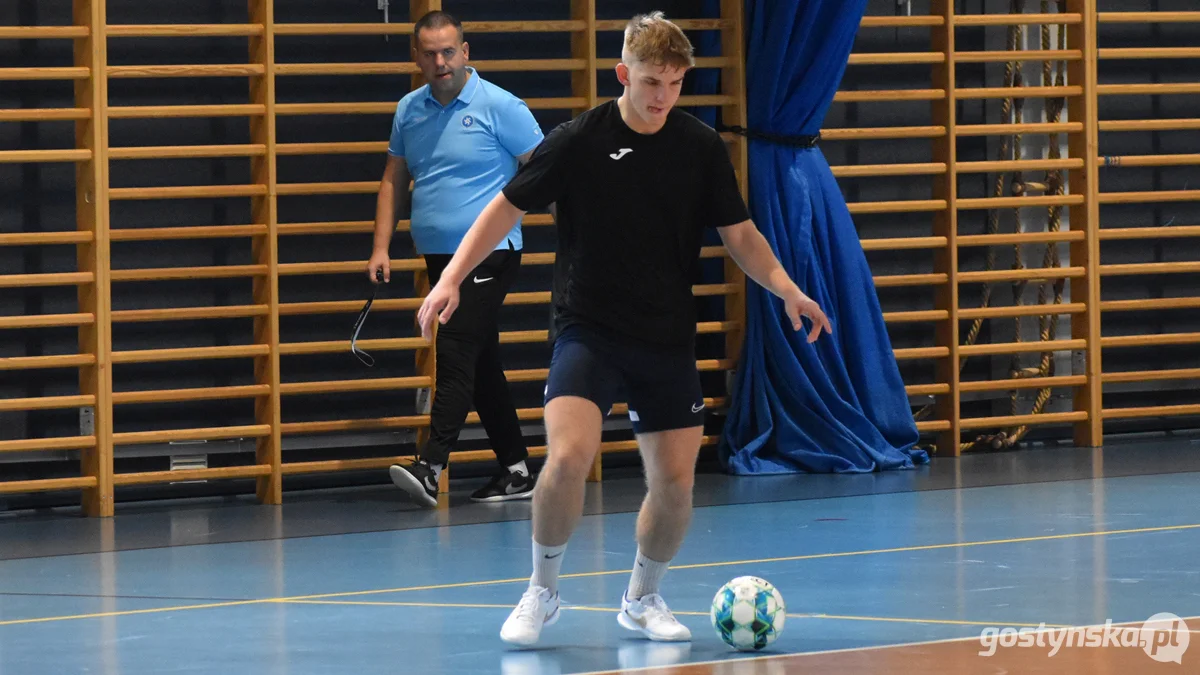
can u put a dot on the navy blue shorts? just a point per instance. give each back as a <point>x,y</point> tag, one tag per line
<point>661,384</point>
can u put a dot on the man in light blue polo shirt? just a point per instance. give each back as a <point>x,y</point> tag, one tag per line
<point>460,138</point>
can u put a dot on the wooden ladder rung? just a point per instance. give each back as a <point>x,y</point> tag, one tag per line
<point>1024,310</point>
<point>1019,55</point>
<point>343,386</point>
<point>45,238</point>
<point>194,70</point>
<point>916,353</point>
<point>1023,383</point>
<point>887,96</point>
<point>902,21</point>
<point>904,243</point>
<point>191,394</point>
<point>1150,197</point>
<point>903,206</point>
<point>340,188</point>
<point>43,32</point>
<point>900,280</point>
<point>188,313</point>
<point>46,362</point>
<point>352,306</point>
<point>1065,18</point>
<point>1033,274</point>
<point>1151,375</point>
<point>1018,202</point>
<point>188,192</point>
<point>221,473</point>
<point>44,280</point>
<point>1016,92</point>
<point>46,320</point>
<point>1149,304</point>
<point>875,170</point>
<point>895,58</point>
<point>47,485</point>
<point>44,114</point>
<point>346,148</point>
<point>1131,269</point>
<point>1016,420</point>
<point>885,133</point>
<point>346,267</point>
<point>189,354</point>
<point>45,73</point>
<point>970,240</point>
<point>176,435</point>
<point>1148,17</point>
<point>183,273</point>
<point>188,151</point>
<point>48,444</point>
<point>47,402</point>
<point>1040,346</point>
<point>1164,339</point>
<point>181,111</point>
<point>1148,89</point>
<point>390,344</point>
<point>1151,411</point>
<point>185,30</point>
<point>195,232</point>
<point>1150,125</point>
<point>916,316</point>
<point>44,156</point>
<point>1125,233</point>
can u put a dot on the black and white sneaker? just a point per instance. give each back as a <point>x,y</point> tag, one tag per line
<point>505,487</point>
<point>418,480</point>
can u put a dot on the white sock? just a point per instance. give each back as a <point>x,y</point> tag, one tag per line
<point>520,468</point>
<point>547,561</point>
<point>437,470</point>
<point>647,574</point>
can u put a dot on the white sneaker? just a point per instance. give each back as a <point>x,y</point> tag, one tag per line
<point>537,608</point>
<point>650,616</point>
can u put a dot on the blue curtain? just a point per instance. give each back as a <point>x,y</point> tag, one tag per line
<point>838,405</point>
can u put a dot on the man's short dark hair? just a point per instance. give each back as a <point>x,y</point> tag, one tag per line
<point>436,19</point>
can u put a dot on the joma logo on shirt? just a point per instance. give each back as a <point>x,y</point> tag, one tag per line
<point>621,153</point>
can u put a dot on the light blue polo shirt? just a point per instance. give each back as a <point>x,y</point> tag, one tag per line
<point>460,156</point>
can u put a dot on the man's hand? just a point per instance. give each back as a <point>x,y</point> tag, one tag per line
<point>797,304</point>
<point>440,303</point>
<point>379,261</point>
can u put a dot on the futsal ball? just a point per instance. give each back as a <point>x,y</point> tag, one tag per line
<point>748,613</point>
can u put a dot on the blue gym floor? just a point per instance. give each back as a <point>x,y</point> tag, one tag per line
<point>865,569</point>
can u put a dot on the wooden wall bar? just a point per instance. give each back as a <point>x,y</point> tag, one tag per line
<point>268,102</point>
<point>1051,264</point>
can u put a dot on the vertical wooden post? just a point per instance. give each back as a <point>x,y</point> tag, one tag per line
<point>733,83</point>
<point>426,357</point>
<point>945,224</point>
<point>269,449</point>
<point>583,46</point>
<point>91,213</point>
<point>584,85</point>
<point>1086,218</point>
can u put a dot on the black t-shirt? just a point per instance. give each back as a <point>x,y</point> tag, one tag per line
<point>631,212</point>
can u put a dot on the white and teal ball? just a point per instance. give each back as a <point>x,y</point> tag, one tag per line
<point>748,613</point>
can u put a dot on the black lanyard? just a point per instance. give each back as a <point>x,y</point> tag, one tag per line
<point>366,358</point>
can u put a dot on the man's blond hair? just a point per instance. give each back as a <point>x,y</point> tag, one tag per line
<point>651,38</point>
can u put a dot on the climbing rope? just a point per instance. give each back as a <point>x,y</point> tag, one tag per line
<point>1012,112</point>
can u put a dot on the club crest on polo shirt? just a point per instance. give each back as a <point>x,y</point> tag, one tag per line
<point>467,121</point>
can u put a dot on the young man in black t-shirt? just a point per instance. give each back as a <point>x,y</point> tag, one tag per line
<point>635,185</point>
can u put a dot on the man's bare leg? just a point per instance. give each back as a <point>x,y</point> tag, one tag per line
<point>669,458</point>
<point>572,439</point>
